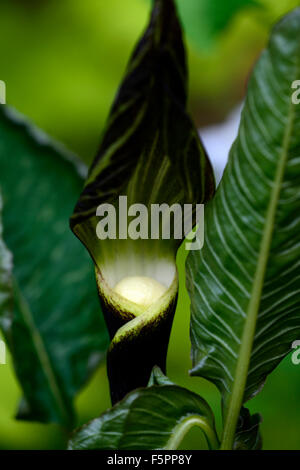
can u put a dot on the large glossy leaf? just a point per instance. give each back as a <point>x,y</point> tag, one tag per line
<point>154,418</point>
<point>244,284</point>
<point>6,291</point>
<point>56,332</point>
<point>151,154</point>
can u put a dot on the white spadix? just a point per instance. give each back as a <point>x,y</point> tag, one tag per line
<point>141,290</point>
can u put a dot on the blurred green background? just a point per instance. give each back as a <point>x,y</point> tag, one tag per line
<point>62,61</point>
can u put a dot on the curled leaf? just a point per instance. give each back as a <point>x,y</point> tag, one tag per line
<point>157,417</point>
<point>158,378</point>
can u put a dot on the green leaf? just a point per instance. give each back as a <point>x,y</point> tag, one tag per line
<point>56,333</point>
<point>6,291</point>
<point>247,436</point>
<point>158,378</point>
<point>153,418</point>
<point>244,284</point>
<point>150,153</point>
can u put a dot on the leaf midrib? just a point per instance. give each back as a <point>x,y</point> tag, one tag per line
<point>241,373</point>
<point>42,354</point>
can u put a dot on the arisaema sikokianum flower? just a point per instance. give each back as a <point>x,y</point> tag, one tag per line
<point>150,155</point>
